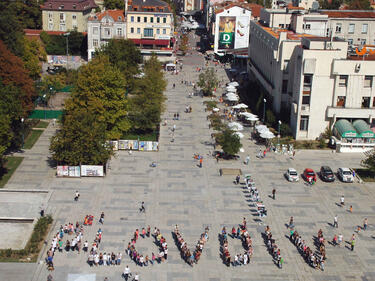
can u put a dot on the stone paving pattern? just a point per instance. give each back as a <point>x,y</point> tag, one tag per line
<point>178,192</point>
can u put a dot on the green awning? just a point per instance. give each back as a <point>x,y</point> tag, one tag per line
<point>345,129</point>
<point>363,129</point>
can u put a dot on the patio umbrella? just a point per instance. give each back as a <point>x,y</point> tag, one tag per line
<point>234,83</point>
<point>246,114</point>
<point>215,109</point>
<point>232,98</point>
<point>231,87</point>
<point>231,91</point>
<point>267,135</point>
<point>240,135</point>
<point>242,105</point>
<point>263,130</point>
<point>235,126</point>
<point>252,118</point>
<point>258,127</point>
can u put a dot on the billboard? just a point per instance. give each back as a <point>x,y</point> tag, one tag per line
<point>227,27</point>
<point>92,171</point>
<point>242,32</point>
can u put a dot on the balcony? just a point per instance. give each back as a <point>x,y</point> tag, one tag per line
<point>341,112</point>
<point>305,108</point>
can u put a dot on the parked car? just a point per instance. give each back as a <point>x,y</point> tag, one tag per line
<point>309,173</point>
<point>345,174</point>
<point>291,175</point>
<point>326,174</point>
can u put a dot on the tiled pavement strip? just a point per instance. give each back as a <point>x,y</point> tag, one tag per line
<point>178,192</point>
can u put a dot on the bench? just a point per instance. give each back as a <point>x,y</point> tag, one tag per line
<point>230,171</point>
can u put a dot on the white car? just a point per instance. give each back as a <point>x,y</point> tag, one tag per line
<point>345,174</point>
<point>292,175</point>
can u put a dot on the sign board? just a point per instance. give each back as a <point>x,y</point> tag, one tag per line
<point>62,171</point>
<point>74,171</point>
<point>92,171</point>
<point>242,32</point>
<point>227,27</point>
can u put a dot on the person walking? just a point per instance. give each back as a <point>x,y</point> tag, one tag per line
<point>335,222</point>
<point>352,243</point>
<point>200,162</point>
<point>142,209</point>
<point>76,197</point>
<point>237,179</point>
<point>291,221</point>
<point>340,238</point>
<point>247,160</point>
<point>274,194</point>
<point>101,220</point>
<point>342,201</point>
<point>126,273</point>
<point>365,223</point>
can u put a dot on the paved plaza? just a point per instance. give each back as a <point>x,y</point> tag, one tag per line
<point>177,191</point>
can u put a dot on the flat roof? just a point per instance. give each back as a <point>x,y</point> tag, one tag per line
<point>348,13</point>
<point>291,35</point>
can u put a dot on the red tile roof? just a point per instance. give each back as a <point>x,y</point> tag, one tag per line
<point>36,32</point>
<point>115,14</point>
<point>291,7</point>
<point>68,5</point>
<point>349,14</point>
<point>255,8</point>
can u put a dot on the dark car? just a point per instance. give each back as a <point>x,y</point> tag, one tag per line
<point>309,174</point>
<point>326,174</point>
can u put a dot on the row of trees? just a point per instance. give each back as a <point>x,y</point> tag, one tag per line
<point>108,102</point>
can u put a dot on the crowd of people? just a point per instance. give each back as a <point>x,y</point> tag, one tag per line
<point>160,241</point>
<point>189,257</point>
<point>273,249</point>
<point>240,233</point>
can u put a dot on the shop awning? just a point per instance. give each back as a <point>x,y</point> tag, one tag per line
<point>363,129</point>
<point>150,42</point>
<point>345,129</point>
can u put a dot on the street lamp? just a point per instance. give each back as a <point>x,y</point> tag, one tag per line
<point>264,110</point>
<point>23,136</point>
<point>278,136</point>
<point>67,47</point>
<point>44,99</point>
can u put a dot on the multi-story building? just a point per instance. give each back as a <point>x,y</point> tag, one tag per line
<point>103,26</point>
<point>65,15</point>
<point>313,78</point>
<point>150,26</point>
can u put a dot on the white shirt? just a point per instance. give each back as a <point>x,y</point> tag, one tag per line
<point>127,270</point>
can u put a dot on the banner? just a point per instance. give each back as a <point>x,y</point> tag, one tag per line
<point>62,171</point>
<point>114,145</point>
<point>227,27</point>
<point>123,144</point>
<point>92,171</point>
<point>74,171</point>
<point>242,33</point>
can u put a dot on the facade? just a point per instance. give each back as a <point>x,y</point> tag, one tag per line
<point>65,15</point>
<point>149,24</point>
<point>312,78</point>
<point>110,24</point>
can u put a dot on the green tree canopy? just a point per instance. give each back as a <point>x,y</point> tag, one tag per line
<point>11,32</point>
<point>124,55</point>
<point>229,142</point>
<point>208,81</point>
<point>33,55</point>
<point>81,140</point>
<point>100,89</point>
<point>369,162</point>
<point>359,5</point>
<point>114,4</point>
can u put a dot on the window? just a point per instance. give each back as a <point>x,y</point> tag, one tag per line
<point>351,28</point>
<point>364,28</point>
<point>164,20</point>
<point>341,101</point>
<point>158,20</point>
<point>132,19</point>
<point>338,27</point>
<point>145,19</point>
<point>152,19</point>
<point>285,68</point>
<point>164,31</point>
<point>284,88</point>
<point>373,102</point>
<point>368,82</point>
<point>363,41</point>
<point>304,123</point>
<point>366,102</point>
<point>132,30</point>
<point>307,80</point>
<point>95,30</point>
<point>138,19</point>
<point>95,42</point>
<point>281,25</point>
<point>119,31</point>
<point>148,32</point>
<point>343,80</point>
<point>107,31</point>
<point>62,27</point>
<point>50,26</point>
<point>62,17</point>
<point>50,16</point>
<point>308,26</point>
<point>306,98</point>
<point>138,30</point>
<point>74,25</point>
<point>158,31</point>
<point>74,17</point>
<point>350,41</point>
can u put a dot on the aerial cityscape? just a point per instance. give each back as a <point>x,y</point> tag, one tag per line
<point>177,140</point>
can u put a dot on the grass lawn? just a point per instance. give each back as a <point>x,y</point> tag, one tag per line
<point>12,162</point>
<point>142,137</point>
<point>365,175</point>
<point>32,138</point>
<point>41,124</point>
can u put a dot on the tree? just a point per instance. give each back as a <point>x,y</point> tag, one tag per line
<point>11,32</point>
<point>33,55</point>
<point>148,100</point>
<point>114,4</point>
<point>5,136</point>
<point>359,5</point>
<point>330,5</point>
<point>208,81</point>
<point>229,142</point>
<point>124,55</point>
<point>100,89</point>
<point>27,12</point>
<point>13,72</point>
<point>56,44</point>
<point>369,162</point>
<point>81,140</point>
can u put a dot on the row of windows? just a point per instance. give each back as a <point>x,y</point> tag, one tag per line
<point>351,28</point>
<point>107,31</point>
<point>367,83</point>
<point>61,16</point>
<point>366,101</point>
<point>148,32</point>
<point>145,19</point>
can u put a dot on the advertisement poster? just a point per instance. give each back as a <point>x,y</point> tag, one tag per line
<point>123,144</point>
<point>74,171</point>
<point>242,33</point>
<point>114,145</point>
<point>227,27</point>
<point>149,146</point>
<point>155,146</point>
<point>141,145</point>
<point>133,145</point>
<point>92,171</point>
<point>62,171</point>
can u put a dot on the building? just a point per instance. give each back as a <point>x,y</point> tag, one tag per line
<point>150,26</point>
<point>65,15</point>
<point>103,26</point>
<point>313,78</point>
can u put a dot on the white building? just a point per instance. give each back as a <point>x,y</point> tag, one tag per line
<point>313,78</point>
<point>102,27</point>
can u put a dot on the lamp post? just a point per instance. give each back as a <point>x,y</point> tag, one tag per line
<point>67,47</point>
<point>23,136</point>
<point>45,102</point>
<point>278,136</point>
<point>264,110</point>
